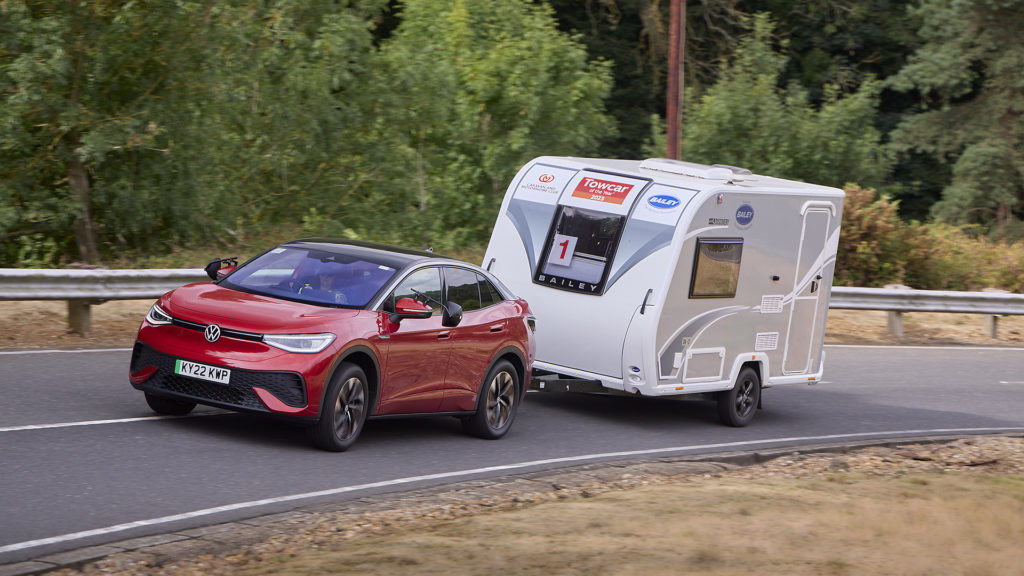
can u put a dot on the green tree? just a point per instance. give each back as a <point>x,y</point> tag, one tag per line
<point>79,82</point>
<point>967,73</point>
<point>144,125</point>
<point>746,120</point>
<point>477,89</point>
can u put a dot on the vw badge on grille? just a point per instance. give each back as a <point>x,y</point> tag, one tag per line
<point>212,333</point>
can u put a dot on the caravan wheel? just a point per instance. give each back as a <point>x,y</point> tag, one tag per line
<point>736,407</point>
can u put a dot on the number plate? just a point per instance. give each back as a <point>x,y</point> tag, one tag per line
<point>202,371</point>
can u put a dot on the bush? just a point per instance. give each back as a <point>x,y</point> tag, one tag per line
<point>877,248</point>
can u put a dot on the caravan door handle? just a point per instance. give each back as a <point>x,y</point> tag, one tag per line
<point>814,284</point>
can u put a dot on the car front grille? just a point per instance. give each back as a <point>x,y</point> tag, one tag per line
<point>288,387</point>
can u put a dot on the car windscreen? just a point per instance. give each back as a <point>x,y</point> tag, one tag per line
<point>312,275</point>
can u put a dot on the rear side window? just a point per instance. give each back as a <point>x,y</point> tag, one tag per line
<point>463,288</point>
<point>489,295</point>
<point>716,268</point>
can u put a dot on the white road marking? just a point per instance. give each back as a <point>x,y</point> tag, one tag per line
<point>96,422</point>
<point>474,471</point>
<point>985,348</point>
<point>83,351</point>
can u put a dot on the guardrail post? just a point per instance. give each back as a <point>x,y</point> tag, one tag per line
<point>896,323</point>
<point>992,326</point>
<point>79,318</point>
<point>992,322</point>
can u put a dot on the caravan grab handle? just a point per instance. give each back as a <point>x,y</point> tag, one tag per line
<point>648,295</point>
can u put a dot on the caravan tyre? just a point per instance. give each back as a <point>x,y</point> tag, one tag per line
<point>737,406</point>
<point>496,403</point>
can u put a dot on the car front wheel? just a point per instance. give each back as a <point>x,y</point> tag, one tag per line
<point>344,412</point>
<point>497,403</point>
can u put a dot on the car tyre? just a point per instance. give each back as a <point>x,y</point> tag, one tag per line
<point>737,406</point>
<point>169,406</point>
<point>496,404</point>
<point>344,411</point>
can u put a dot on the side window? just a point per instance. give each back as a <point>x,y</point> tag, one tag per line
<point>489,295</point>
<point>421,282</point>
<point>716,268</point>
<point>462,288</point>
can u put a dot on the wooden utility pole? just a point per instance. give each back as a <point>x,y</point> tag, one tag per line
<point>674,100</point>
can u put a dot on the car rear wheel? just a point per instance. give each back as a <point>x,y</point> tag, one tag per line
<point>344,411</point>
<point>169,406</point>
<point>497,403</point>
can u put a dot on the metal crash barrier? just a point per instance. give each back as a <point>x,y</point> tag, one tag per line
<point>84,288</point>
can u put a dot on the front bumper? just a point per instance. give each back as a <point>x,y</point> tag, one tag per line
<point>248,391</point>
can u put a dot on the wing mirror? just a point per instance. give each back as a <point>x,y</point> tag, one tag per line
<point>409,308</point>
<point>220,267</point>
<point>452,315</point>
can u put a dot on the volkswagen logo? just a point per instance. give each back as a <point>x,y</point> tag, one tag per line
<point>212,333</point>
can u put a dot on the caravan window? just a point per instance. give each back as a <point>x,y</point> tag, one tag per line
<point>580,247</point>
<point>716,268</point>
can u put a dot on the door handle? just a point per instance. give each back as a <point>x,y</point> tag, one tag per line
<point>444,335</point>
<point>497,328</point>
<point>814,284</point>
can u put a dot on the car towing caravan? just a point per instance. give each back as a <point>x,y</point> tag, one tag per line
<point>668,278</point>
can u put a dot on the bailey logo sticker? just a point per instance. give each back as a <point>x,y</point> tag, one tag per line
<point>744,216</point>
<point>663,201</point>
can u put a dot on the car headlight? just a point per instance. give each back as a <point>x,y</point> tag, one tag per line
<point>307,343</point>
<point>157,317</point>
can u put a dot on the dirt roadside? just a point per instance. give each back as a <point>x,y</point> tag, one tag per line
<point>944,508</point>
<point>932,508</point>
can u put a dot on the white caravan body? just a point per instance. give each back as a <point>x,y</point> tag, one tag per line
<point>666,278</point>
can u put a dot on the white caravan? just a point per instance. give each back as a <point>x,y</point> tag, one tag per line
<point>668,278</point>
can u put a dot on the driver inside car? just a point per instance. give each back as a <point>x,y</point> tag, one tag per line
<point>321,286</point>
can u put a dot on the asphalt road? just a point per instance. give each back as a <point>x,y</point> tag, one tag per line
<point>83,461</point>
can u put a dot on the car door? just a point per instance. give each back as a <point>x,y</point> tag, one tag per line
<point>413,375</point>
<point>474,340</point>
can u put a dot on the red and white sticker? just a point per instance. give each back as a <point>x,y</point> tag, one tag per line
<point>562,249</point>
<point>602,190</point>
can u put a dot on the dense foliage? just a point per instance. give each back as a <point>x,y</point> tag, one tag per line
<point>132,128</point>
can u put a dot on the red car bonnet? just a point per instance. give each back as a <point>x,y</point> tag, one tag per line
<point>209,303</point>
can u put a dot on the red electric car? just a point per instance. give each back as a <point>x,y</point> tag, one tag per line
<point>331,332</point>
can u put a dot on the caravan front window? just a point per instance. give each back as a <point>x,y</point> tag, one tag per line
<point>580,247</point>
<point>716,268</point>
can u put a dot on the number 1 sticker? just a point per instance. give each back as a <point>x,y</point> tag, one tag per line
<point>562,250</point>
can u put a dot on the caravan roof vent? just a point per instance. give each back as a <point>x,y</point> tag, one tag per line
<point>716,172</point>
<point>735,169</point>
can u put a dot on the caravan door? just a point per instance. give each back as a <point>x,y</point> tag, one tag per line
<point>807,306</point>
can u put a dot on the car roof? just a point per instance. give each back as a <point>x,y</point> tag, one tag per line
<point>394,256</point>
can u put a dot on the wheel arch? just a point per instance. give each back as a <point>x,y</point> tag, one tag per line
<point>518,360</point>
<point>365,358</point>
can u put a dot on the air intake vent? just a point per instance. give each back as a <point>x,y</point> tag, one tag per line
<point>771,304</point>
<point>766,341</point>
